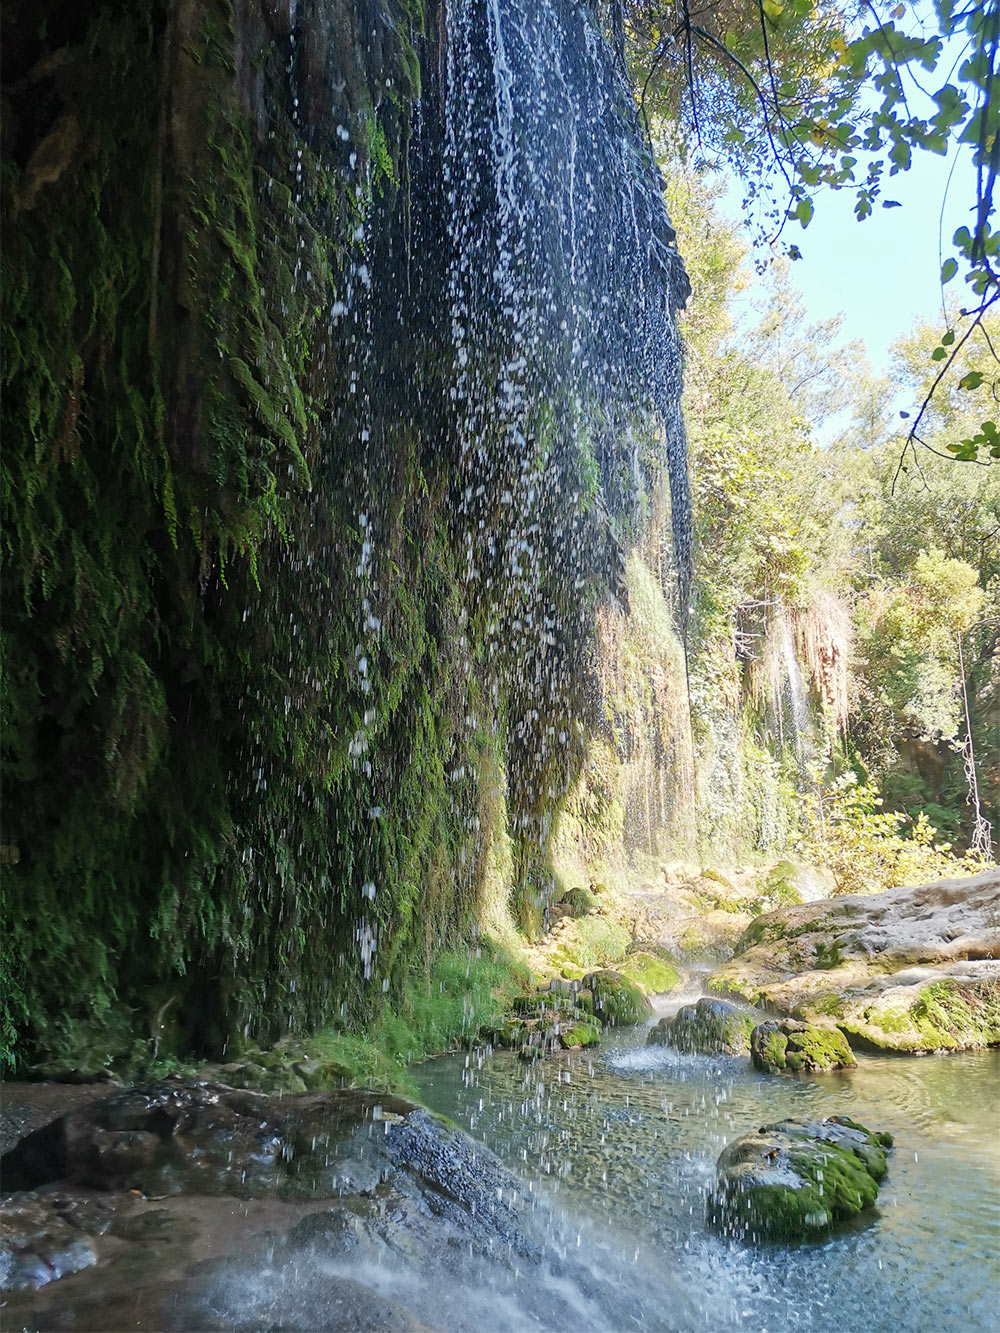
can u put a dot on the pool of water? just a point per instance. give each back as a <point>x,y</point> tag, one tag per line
<point>624,1141</point>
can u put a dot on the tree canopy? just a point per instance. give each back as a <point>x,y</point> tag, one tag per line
<point>801,96</point>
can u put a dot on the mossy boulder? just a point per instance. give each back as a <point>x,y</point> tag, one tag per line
<point>709,1027</point>
<point>578,902</point>
<point>618,1002</point>
<point>782,1045</point>
<point>582,1032</point>
<point>796,1179</point>
<point>651,974</point>
<point>547,1021</point>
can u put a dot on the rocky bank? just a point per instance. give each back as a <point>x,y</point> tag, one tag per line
<point>913,970</point>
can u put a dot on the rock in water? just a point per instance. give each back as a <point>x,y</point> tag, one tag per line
<point>356,1211</point>
<point>783,1044</point>
<point>618,1002</point>
<point>204,1138</point>
<point>710,1027</point>
<point>796,1179</point>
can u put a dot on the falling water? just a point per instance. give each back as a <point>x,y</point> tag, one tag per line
<point>520,319</point>
<point>798,706</point>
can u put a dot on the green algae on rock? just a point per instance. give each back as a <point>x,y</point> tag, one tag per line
<point>618,1002</point>
<point>709,1027</point>
<point>925,1012</point>
<point>582,1032</point>
<point>913,970</point>
<point>794,1180</point>
<point>651,974</point>
<point>784,1044</point>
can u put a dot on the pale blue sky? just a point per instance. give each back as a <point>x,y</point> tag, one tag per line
<point>883,273</point>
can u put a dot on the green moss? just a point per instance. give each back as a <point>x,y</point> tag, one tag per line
<point>947,1015</point>
<point>717,878</point>
<point>595,941</point>
<point>761,931</point>
<point>580,902</point>
<point>618,1002</point>
<point>780,872</point>
<point>831,1005</point>
<point>579,1035</point>
<point>780,893</point>
<point>828,955</point>
<point>652,974</point>
<point>776,1046</point>
<point>772,1052</point>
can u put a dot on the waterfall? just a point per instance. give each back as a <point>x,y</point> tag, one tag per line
<point>540,255</point>
<point>562,257</point>
<point>798,705</point>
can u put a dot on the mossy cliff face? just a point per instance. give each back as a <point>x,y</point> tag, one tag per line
<point>182,220</point>
<point>272,737</point>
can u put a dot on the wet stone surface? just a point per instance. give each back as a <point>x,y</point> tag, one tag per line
<point>709,1027</point>
<point>176,1206</point>
<point>796,1179</point>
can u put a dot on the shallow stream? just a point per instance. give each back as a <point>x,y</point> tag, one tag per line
<point>627,1137</point>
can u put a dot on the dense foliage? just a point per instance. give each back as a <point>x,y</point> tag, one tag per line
<point>882,583</point>
<point>800,96</point>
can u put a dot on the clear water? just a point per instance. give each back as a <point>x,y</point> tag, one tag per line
<point>625,1142</point>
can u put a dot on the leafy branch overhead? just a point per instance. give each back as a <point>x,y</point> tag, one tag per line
<point>800,96</point>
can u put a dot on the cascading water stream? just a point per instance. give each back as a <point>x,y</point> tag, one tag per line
<point>798,705</point>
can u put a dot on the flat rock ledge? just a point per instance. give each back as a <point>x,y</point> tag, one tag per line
<point>795,1180</point>
<point>912,970</point>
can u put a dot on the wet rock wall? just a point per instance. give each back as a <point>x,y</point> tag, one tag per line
<point>275,689</point>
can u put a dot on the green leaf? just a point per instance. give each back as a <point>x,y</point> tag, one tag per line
<point>972,380</point>
<point>948,269</point>
<point>938,354</point>
<point>948,338</point>
<point>803,211</point>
